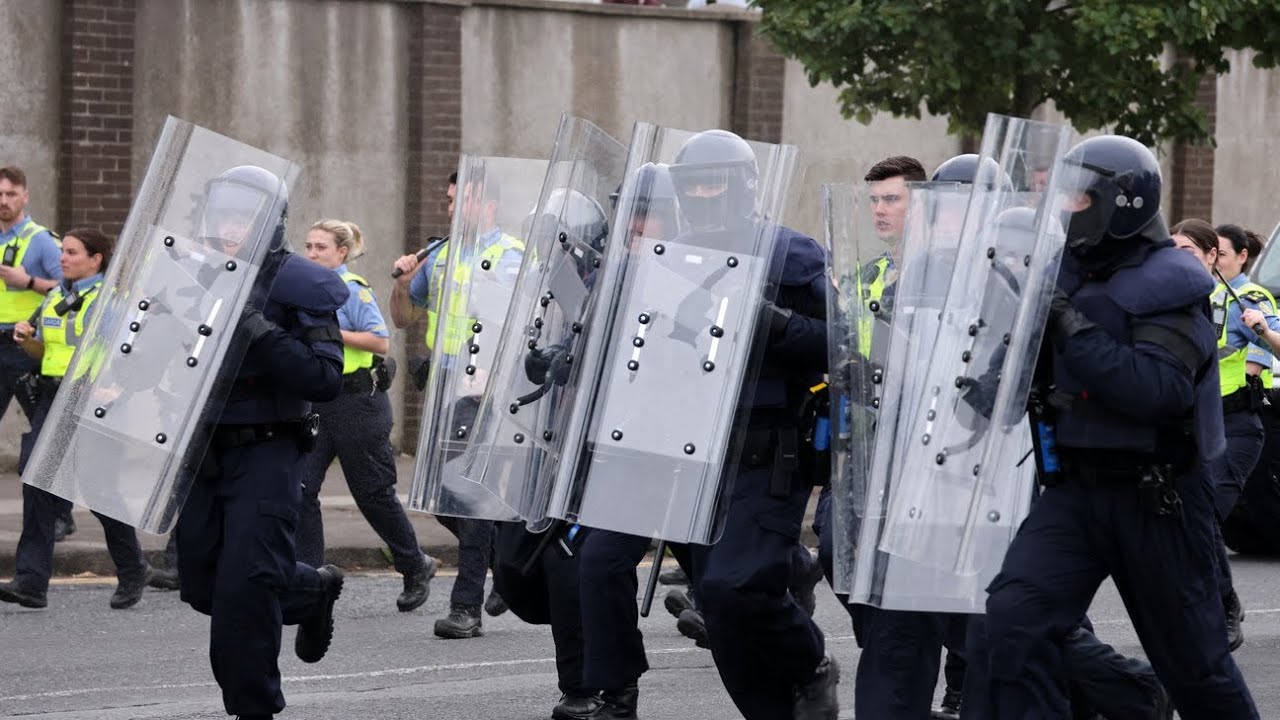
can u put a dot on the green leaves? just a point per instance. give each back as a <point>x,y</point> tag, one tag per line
<point>1103,62</point>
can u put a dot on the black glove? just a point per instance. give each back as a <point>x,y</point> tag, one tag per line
<point>551,360</point>
<point>421,371</point>
<point>773,320</point>
<point>253,325</point>
<point>1065,321</point>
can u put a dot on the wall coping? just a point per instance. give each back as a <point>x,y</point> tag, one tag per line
<point>595,8</point>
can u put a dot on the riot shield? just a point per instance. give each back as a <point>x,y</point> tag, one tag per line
<point>966,483</point>
<point>653,441</point>
<point>129,426</point>
<point>863,269</point>
<point>929,244</point>
<point>535,377</point>
<point>471,288</point>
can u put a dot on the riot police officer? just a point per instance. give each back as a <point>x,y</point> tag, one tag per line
<point>770,654</point>
<point>235,535</point>
<point>53,338</point>
<point>1136,416</point>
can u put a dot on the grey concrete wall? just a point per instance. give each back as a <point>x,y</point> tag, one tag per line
<point>320,82</point>
<point>29,139</point>
<point>521,68</point>
<point>1246,174</point>
<point>839,150</point>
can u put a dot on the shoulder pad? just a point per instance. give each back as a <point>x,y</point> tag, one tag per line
<point>1168,279</point>
<point>305,285</point>
<point>805,260</point>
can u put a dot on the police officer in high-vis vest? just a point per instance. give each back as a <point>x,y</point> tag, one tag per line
<point>421,285</point>
<point>29,268</point>
<point>356,426</point>
<point>52,338</point>
<point>1244,369</point>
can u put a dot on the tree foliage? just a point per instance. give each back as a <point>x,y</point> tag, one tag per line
<point>1102,62</point>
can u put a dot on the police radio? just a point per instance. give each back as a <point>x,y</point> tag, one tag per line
<point>10,254</point>
<point>72,300</point>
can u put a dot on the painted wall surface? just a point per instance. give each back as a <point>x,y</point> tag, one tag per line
<point>1246,175</point>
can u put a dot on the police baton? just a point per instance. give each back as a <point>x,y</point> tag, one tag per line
<point>1258,328</point>
<point>433,243</point>
<point>652,585</point>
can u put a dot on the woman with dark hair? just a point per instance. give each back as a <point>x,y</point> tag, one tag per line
<point>1243,312</point>
<point>52,336</point>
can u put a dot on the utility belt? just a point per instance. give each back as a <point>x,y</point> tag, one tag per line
<point>1153,477</point>
<point>1250,398</point>
<point>360,381</point>
<point>304,431</point>
<point>375,378</point>
<point>6,337</point>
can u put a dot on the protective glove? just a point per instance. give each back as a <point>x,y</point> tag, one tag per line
<point>553,360</point>
<point>773,320</point>
<point>1065,321</point>
<point>253,325</point>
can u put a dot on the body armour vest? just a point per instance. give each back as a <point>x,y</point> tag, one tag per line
<point>1157,280</point>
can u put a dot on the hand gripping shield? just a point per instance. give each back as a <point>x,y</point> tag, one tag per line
<point>131,421</point>
<point>472,281</point>
<point>534,378</point>
<point>652,443</point>
<point>863,270</point>
<point>967,478</point>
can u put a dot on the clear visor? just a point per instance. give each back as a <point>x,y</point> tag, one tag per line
<point>230,213</point>
<point>704,182</point>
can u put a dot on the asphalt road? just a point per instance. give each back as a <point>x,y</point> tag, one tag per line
<point>78,659</point>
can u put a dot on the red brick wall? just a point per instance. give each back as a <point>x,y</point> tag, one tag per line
<point>758,77</point>
<point>1192,173</point>
<point>435,139</point>
<point>94,184</point>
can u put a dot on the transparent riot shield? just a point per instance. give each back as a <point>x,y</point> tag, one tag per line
<point>964,484</point>
<point>653,441</point>
<point>535,378</point>
<point>130,423</point>
<point>926,261</point>
<point>863,269</point>
<point>472,280</point>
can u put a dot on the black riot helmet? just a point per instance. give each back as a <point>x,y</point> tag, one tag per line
<point>574,218</point>
<point>244,207</point>
<point>715,159</point>
<point>1111,189</point>
<point>967,169</point>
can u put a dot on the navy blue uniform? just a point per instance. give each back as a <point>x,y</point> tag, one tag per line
<point>764,644</point>
<point>236,533</point>
<point>1137,393</point>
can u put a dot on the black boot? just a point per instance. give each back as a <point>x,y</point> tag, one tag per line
<point>693,626</point>
<point>129,590</point>
<point>315,634</point>
<point>619,704</point>
<point>463,622</point>
<point>816,699</point>
<point>1235,616</point>
<point>11,592</point>
<point>63,526</point>
<point>576,706</point>
<point>494,605</point>
<point>950,707</point>
<point>163,579</point>
<point>674,576</point>
<point>417,585</point>
<point>677,602</point>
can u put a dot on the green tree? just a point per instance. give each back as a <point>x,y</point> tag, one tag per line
<point>1099,61</point>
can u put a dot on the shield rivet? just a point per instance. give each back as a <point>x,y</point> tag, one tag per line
<point>161,438</point>
<point>519,438</point>
<point>993,516</point>
<point>168,241</point>
<point>485,264</point>
<point>689,448</point>
<point>192,362</point>
<point>125,348</point>
<point>732,262</point>
<point>708,366</point>
<point>547,435</point>
<point>231,266</point>
<point>632,365</point>
<point>100,412</point>
<point>616,434</point>
<point>638,341</point>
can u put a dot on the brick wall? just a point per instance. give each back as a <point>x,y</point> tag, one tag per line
<point>94,184</point>
<point>759,76</point>
<point>435,139</point>
<point>1192,174</point>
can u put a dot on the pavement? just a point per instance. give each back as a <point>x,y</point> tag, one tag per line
<point>349,541</point>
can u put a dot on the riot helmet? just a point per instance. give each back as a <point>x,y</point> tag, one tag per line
<point>1110,189</point>
<point>967,169</point>
<point>244,206</point>
<point>574,218</point>
<point>651,206</point>
<point>715,176</point>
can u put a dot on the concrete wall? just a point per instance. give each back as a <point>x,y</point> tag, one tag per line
<point>1246,174</point>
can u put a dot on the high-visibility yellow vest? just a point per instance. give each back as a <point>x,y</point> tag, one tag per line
<point>457,327</point>
<point>18,304</point>
<point>870,290</point>
<point>354,359</point>
<point>1231,361</point>
<point>62,333</point>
